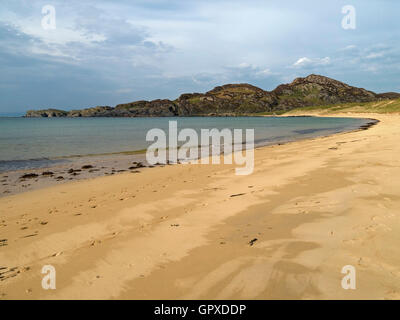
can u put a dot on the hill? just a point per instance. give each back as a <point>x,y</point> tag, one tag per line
<point>235,99</point>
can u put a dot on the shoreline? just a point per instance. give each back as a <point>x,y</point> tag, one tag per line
<point>12,181</point>
<point>200,232</point>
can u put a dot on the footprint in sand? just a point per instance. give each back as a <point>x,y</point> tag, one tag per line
<point>237,195</point>
<point>7,273</point>
<point>57,254</point>
<point>30,235</point>
<point>95,242</point>
<point>3,242</point>
<point>351,241</point>
<point>251,242</point>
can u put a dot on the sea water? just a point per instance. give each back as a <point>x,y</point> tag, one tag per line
<point>39,142</point>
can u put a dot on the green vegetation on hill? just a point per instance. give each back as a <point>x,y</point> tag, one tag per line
<point>383,106</point>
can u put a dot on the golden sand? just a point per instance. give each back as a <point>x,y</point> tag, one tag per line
<point>310,208</point>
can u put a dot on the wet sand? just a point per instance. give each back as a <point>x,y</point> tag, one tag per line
<point>71,169</point>
<point>201,232</point>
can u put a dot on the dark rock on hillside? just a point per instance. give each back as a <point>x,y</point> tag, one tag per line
<point>99,111</point>
<point>155,108</point>
<point>235,99</point>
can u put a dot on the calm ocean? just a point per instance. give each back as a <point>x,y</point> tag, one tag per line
<point>36,142</point>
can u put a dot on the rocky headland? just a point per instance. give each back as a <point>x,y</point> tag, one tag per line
<point>234,99</point>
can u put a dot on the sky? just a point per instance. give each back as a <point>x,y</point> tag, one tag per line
<point>104,52</point>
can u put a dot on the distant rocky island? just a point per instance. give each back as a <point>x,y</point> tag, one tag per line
<point>233,100</point>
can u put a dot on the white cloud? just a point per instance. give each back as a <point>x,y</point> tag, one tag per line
<point>349,47</point>
<point>245,65</point>
<point>265,72</point>
<point>302,61</point>
<point>375,55</point>
<point>308,62</point>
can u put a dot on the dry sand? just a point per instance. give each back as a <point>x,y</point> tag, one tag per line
<point>314,206</point>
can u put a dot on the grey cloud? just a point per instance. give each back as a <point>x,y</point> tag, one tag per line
<point>151,49</point>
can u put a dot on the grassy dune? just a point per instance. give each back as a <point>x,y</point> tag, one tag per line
<point>384,106</point>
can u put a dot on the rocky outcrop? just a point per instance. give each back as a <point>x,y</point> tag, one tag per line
<point>155,108</point>
<point>318,90</point>
<point>234,99</point>
<point>48,113</point>
<point>100,111</point>
<point>226,100</point>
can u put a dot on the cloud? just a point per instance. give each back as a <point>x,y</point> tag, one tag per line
<point>302,61</point>
<point>107,52</point>
<point>264,72</point>
<point>251,69</point>
<point>349,47</point>
<point>375,55</point>
<point>308,62</point>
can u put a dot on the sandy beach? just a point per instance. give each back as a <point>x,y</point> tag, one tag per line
<point>201,232</point>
